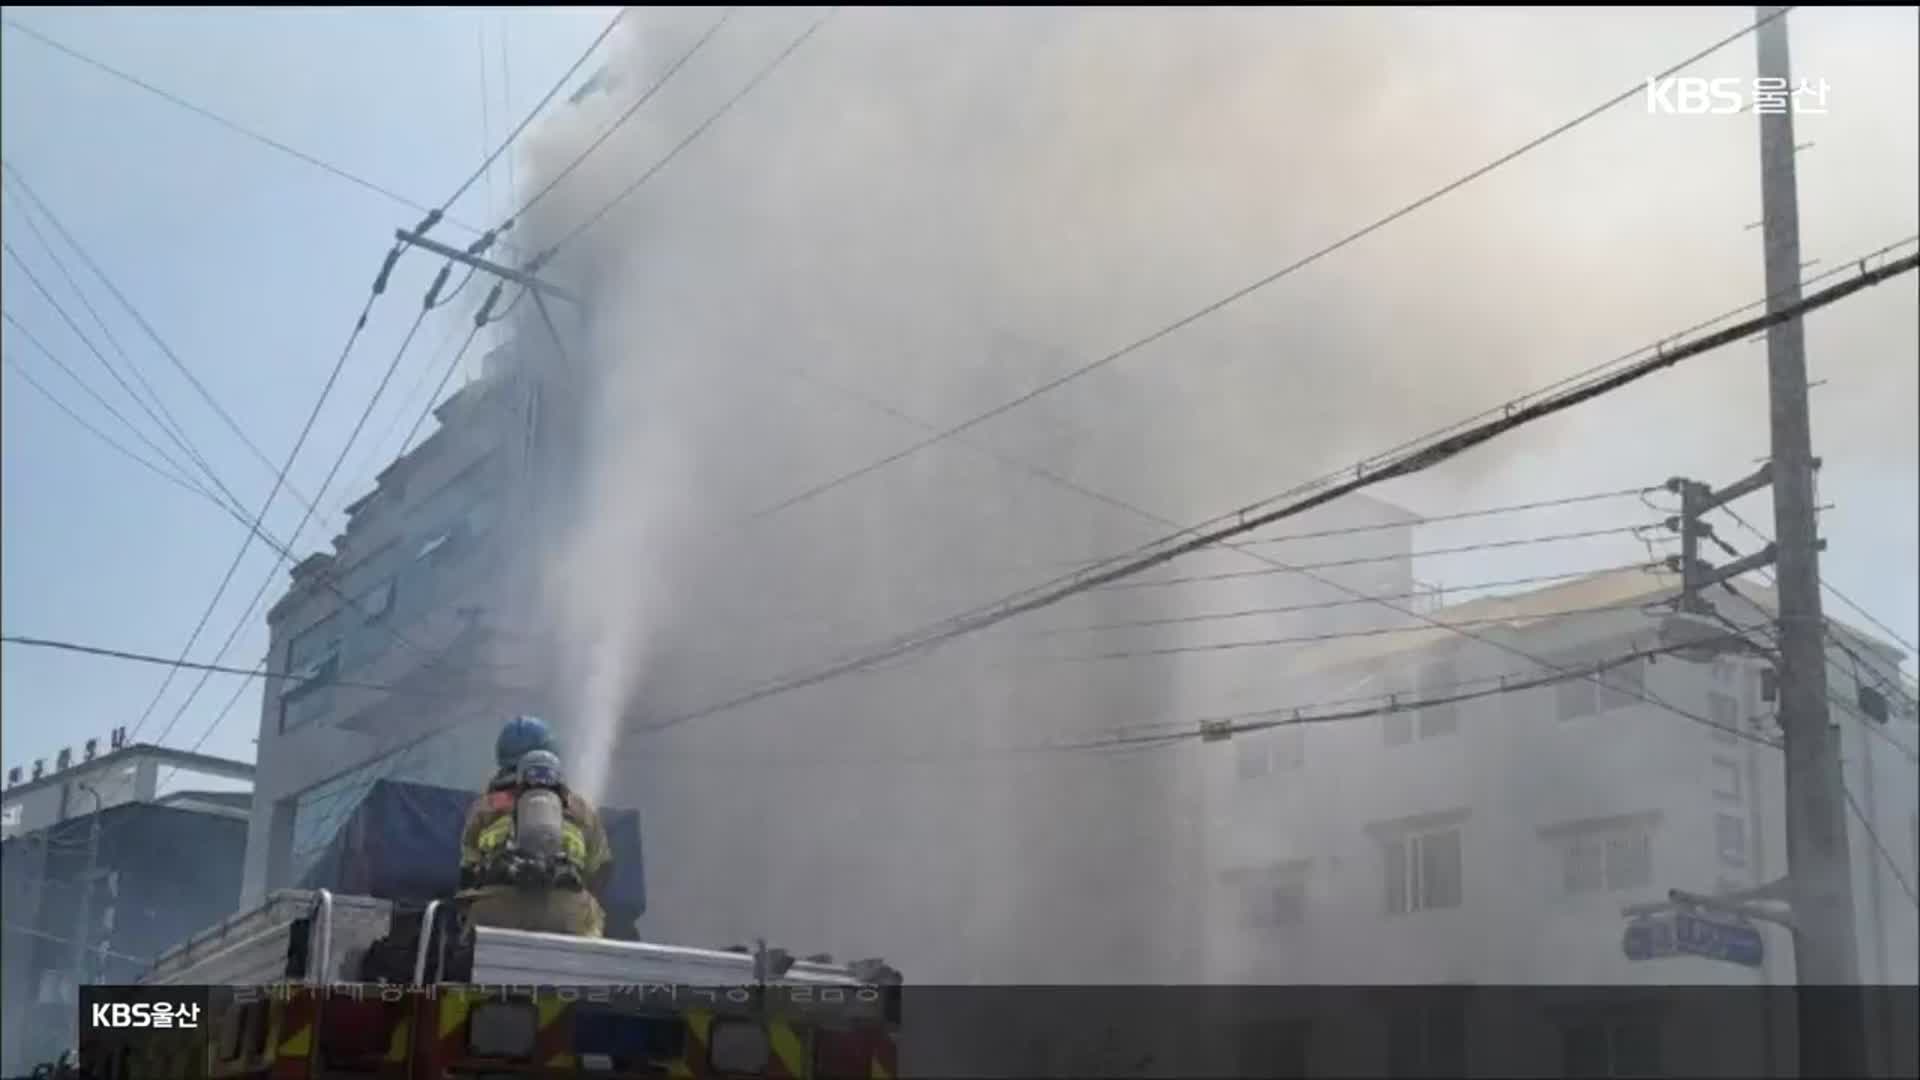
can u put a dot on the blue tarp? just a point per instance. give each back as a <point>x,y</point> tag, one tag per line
<point>403,843</point>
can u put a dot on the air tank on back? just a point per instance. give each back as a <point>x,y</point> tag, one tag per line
<point>538,813</point>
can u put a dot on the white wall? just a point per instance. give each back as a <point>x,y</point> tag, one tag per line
<point>1511,769</point>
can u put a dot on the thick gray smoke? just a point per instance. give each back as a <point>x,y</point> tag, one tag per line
<point>924,213</point>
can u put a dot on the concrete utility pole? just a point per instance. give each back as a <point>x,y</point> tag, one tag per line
<point>83,935</point>
<point>1831,1036</point>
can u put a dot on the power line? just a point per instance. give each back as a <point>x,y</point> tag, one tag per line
<point>1636,90</point>
<point>773,65</point>
<point>1341,635</point>
<point>166,350</point>
<point>1362,560</point>
<point>187,448</point>
<point>433,399</point>
<point>1885,855</point>
<point>182,472</point>
<point>360,325</point>
<point>101,435</point>
<point>1465,515</point>
<point>1243,723</point>
<point>1321,605</point>
<point>1832,638</point>
<point>513,136</point>
<point>1835,593</point>
<point>172,427</point>
<point>56,939</point>
<point>581,158</point>
<point>262,672</point>
<point>224,122</point>
<point>1244,521</point>
<point>428,304</point>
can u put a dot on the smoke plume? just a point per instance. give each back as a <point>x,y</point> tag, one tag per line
<point>924,213</point>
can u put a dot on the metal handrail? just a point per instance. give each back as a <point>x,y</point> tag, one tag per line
<point>322,932</point>
<point>426,939</point>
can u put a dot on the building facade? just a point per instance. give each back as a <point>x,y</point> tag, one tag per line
<point>165,849</point>
<point>403,634</point>
<point>1496,840</point>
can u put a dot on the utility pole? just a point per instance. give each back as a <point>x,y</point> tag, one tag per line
<point>82,935</point>
<point>1831,1035</point>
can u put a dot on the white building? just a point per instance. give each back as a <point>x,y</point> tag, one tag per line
<point>1495,841</point>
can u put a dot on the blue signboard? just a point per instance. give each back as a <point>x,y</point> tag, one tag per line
<point>1696,934</point>
<point>1649,939</point>
<point>1718,939</point>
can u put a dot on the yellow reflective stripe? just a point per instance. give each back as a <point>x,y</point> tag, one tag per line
<point>494,834</point>
<point>575,842</point>
<point>786,1047</point>
<point>299,1044</point>
<point>880,1071</point>
<point>453,1012</point>
<point>701,1023</point>
<point>679,1069</point>
<point>397,1049</point>
<point>549,1010</point>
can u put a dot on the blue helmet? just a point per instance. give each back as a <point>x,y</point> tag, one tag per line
<point>521,736</point>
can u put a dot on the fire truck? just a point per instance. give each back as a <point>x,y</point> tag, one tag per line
<point>317,985</point>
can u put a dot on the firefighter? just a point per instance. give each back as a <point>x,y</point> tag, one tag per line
<point>515,881</point>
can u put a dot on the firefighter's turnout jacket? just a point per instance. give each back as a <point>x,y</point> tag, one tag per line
<point>553,909</point>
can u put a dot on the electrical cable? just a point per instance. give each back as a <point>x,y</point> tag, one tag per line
<point>163,474</point>
<point>360,325</point>
<point>192,453</point>
<point>1885,855</point>
<point>547,255</point>
<point>581,158</point>
<point>221,669</point>
<point>183,472</point>
<point>13,929</point>
<point>1241,723</point>
<point>223,121</point>
<point>1340,635</point>
<point>427,306</point>
<point>1832,638</point>
<point>1635,91</point>
<point>1241,522</point>
<point>166,350</point>
<point>172,426</point>
<point>1835,593</point>
<point>1363,560</point>
<point>1319,605</point>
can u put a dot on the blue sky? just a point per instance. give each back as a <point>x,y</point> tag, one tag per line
<point>252,264</point>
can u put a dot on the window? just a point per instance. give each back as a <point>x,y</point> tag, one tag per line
<point>1275,897</point>
<point>375,603</point>
<point>1423,871</point>
<point>1606,858</point>
<point>1429,1038</point>
<point>1437,680</point>
<point>1730,833</point>
<point>1608,1047</point>
<point>1873,703</point>
<point>1726,779</point>
<point>1724,711</point>
<point>1265,753</point>
<point>1618,687</point>
<point>1398,728</point>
